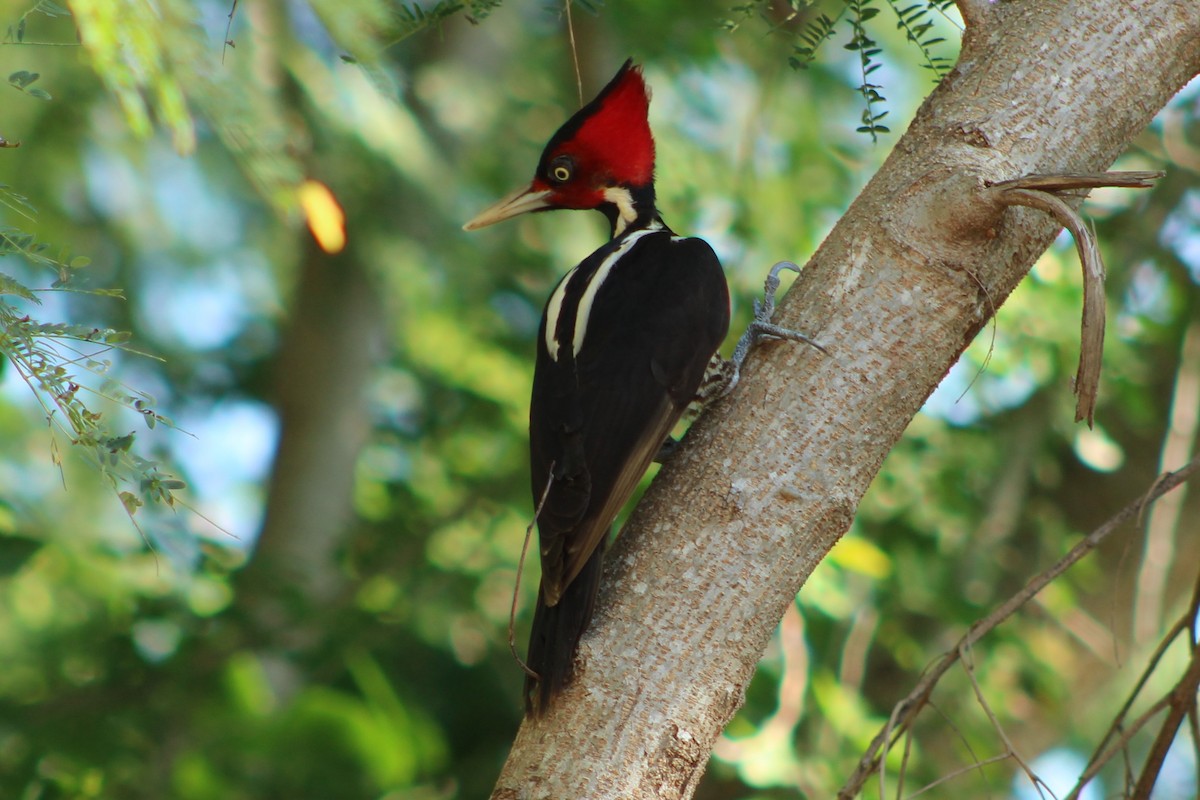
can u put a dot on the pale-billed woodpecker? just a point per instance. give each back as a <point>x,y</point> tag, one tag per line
<point>628,340</point>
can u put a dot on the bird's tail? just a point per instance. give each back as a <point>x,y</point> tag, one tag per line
<point>555,635</point>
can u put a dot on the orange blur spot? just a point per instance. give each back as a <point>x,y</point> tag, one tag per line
<point>324,215</point>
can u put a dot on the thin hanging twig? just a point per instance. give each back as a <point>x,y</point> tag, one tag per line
<point>228,28</point>
<point>574,52</point>
<point>512,610</point>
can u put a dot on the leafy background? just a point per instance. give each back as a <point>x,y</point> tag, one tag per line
<point>260,505</point>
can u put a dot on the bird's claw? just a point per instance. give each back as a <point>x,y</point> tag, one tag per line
<point>770,286</point>
<point>761,327</point>
<point>766,330</point>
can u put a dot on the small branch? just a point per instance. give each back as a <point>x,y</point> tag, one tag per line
<point>1102,755</point>
<point>1091,348</point>
<point>964,655</point>
<point>1181,700</point>
<point>512,611</point>
<point>41,44</point>
<point>1036,191</point>
<point>574,52</point>
<point>229,28</point>
<point>956,773</point>
<point>1101,759</point>
<point>1106,752</point>
<point>1071,181</point>
<point>906,711</point>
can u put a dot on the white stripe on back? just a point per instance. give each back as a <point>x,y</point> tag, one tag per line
<point>584,311</point>
<point>553,309</point>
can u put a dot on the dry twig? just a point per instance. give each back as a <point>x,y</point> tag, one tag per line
<point>1040,192</point>
<point>1185,624</point>
<point>906,711</point>
<point>512,610</point>
<point>1181,701</point>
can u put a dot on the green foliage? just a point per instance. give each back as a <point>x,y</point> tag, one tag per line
<point>59,362</point>
<point>55,360</point>
<point>135,48</point>
<point>158,64</point>
<point>17,203</point>
<point>861,11</point>
<point>411,19</point>
<point>15,33</point>
<point>916,20</point>
<point>16,242</point>
<point>814,34</point>
<point>918,27</point>
<point>22,79</point>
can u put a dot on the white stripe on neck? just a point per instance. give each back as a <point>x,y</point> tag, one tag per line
<point>620,197</point>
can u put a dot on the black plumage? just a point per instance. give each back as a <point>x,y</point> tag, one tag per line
<point>601,412</point>
<point>625,341</point>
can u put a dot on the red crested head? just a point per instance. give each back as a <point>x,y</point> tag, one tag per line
<point>602,158</point>
<point>607,142</point>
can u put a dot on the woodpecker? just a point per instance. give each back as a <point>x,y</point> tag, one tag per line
<point>626,341</point>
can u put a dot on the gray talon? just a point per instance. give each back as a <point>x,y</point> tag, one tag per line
<point>762,328</point>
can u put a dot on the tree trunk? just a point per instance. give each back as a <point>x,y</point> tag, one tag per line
<point>320,391</point>
<point>770,478</point>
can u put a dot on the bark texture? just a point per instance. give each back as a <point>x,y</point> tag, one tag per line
<point>770,479</point>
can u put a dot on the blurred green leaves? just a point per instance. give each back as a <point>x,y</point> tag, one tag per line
<point>22,79</point>
<point>336,743</point>
<point>135,48</point>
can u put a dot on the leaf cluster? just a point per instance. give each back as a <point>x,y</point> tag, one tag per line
<point>59,361</point>
<point>915,19</point>
<point>21,80</point>
<point>53,358</point>
<point>15,34</point>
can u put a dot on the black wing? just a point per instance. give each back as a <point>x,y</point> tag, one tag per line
<point>644,338</point>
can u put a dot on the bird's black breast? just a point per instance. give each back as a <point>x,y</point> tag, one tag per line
<point>625,340</point>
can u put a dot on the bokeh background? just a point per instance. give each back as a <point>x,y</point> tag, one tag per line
<point>322,611</point>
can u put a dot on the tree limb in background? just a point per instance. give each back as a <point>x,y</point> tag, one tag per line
<point>906,710</point>
<point>1181,701</point>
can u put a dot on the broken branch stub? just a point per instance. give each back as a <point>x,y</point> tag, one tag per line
<point>1040,192</point>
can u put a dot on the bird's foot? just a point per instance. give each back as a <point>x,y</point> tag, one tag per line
<point>760,329</point>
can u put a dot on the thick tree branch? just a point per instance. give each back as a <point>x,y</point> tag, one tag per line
<point>769,479</point>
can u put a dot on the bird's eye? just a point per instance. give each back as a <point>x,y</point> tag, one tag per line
<point>561,169</point>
